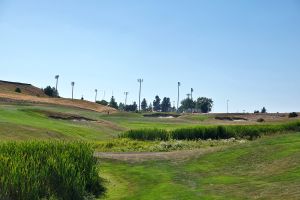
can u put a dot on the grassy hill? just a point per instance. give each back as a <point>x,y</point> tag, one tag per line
<point>265,169</point>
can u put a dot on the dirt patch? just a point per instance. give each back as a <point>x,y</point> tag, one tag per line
<point>70,117</point>
<point>226,118</point>
<point>162,115</point>
<point>175,155</point>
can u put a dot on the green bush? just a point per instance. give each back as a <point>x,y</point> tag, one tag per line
<point>51,91</point>
<point>18,90</point>
<point>49,170</point>
<point>293,114</point>
<point>260,120</point>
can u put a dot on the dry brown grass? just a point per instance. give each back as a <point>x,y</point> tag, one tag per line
<point>16,97</point>
<point>27,89</point>
<point>146,156</point>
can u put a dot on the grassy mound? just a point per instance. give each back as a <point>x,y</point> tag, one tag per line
<point>211,132</point>
<point>50,170</point>
<point>267,168</point>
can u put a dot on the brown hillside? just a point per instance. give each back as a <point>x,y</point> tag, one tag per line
<point>16,97</point>
<point>32,94</point>
<point>28,89</point>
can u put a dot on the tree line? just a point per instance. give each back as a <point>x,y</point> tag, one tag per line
<point>202,104</point>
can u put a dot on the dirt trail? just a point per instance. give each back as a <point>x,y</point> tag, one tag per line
<point>145,156</point>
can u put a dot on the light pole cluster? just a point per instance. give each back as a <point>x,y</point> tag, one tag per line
<point>140,81</point>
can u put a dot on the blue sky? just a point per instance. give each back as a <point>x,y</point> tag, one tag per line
<point>244,51</point>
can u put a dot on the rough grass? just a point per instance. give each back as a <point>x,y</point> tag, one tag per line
<point>211,132</point>
<point>57,170</point>
<point>128,145</point>
<point>267,168</point>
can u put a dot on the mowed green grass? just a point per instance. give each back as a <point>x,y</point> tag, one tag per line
<point>21,122</point>
<point>268,168</point>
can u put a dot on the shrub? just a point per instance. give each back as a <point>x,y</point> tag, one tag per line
<point>102,102</point>
<point>293,114</point>
<point>51,92</point>
<point>49,170</point>
<point>260,120</point>
<point>18,90</point>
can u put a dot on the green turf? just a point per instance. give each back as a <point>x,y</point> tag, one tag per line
<point>20,122</point>
<point>264,169</point>
<point>29,122</point>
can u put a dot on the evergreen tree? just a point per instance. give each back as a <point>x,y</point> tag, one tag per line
<point>144,105</point>
<point>131,108</point>
<point>113,103</point>
<point>121,106</point>
<point>156,104</point>
<point>166,105</point>
<point>263,110</point>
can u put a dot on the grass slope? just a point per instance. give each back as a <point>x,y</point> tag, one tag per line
<point>268,168</point>
<point>29,121</point>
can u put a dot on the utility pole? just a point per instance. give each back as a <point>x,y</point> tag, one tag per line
<point>72,83</point>
<point>126,94</point>
<point>56,77</point>
<point>96,91</point>
<point>140,81</point>
<point>179,84</point>
<point>227,106</point>
<point>192,90</point>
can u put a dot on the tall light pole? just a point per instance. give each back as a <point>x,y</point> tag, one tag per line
<point>192,90</point>
<point>140,81</point>
<point>72,84</point>
<point>56,77</point>
<point>126,94</point>
<point>227,106</point>
<point>96,91</point>
<point>179,84</point>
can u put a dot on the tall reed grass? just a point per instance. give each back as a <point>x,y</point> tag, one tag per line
<point>212,132</point>
<point>48,170</point>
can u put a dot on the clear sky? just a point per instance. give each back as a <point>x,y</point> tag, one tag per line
<point>244,51</point>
